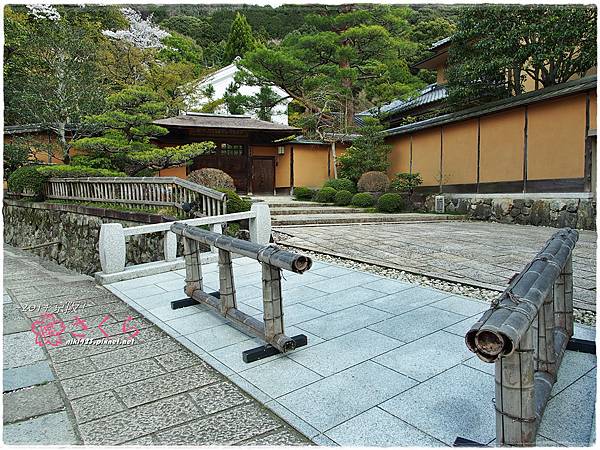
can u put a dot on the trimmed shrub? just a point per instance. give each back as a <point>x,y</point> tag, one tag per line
<point>390,203</point>
<point>70,171</point>
<point>406,182</point>
<point>303,193</point>
<point>373,182</point>
<point>363,200</point>
<point>28,180</point>
<point>212,178</point>
<point>343,198</point>
<point>341,184</point>
<point>326,195</point>
<point>235,203</point>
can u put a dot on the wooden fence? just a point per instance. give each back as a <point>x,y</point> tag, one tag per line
<point>152,192</point>
<point>525,334</point>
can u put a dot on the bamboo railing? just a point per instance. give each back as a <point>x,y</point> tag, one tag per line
<point>273,260</point>
<point>152,192</point>
<point>525,334</point>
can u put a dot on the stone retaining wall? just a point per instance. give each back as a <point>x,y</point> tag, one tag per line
<point>75,228</point>
<point>553,212</point>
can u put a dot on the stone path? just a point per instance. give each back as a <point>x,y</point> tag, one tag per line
<point>152,392</point>
<point>479,253</point>
<point>385,364</point>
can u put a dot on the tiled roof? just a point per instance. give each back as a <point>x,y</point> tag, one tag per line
<point>430,94</point>
<point>338,137</point>
<point>570,87</point>
<point>439,43</point>
<point>223,121</point>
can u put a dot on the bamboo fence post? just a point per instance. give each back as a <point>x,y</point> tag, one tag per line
<point>568,277</point>
<point>193,267</point>
<point>226,283</point>
<point>515,406</point>
<point>272,302</point>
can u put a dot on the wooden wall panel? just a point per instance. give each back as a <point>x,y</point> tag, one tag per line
<point>502,146</point>
<point>556,138</point>
<point>426,155</point>
<point>459,153</point>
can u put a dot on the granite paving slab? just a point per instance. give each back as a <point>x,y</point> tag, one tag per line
<point>106,393</point>
<point>479,253</point>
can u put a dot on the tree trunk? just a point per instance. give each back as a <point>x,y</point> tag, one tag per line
<point>63,142</point>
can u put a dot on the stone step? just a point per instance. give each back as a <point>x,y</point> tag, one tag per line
<point>330,219</point>
<point>292,204</point>
<point>277,211</point>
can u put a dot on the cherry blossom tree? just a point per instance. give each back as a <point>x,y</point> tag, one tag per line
<point>142,33</point>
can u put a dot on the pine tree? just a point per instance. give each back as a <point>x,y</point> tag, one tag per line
<point>240,40</point>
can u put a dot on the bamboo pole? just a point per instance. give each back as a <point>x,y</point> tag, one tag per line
<point>269,254</point>
<point>226,283</point>
<point>193,266</point>
<point>515,405</point>
<point>272,304</point>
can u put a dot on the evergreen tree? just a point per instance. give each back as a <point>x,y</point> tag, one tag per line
<point>127,131</point>
<point>240,40</point>
<point>368,152</point>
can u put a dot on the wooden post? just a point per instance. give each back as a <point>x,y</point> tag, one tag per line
<point>193,266</point>
<point>272,304</point>
<point>226,284</point>
<point>515,406</point>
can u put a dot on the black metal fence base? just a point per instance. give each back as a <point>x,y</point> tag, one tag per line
<point>463,442</point>
<point>178,304</point>
<point>264,351</point>
<point>582,345</point>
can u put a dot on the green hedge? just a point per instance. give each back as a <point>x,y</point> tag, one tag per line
<point>363,200</point>
<point>390,203</point>
<point>303,193</point>
<point>235,203</point>
<point>70,171</point>
<point>326,195</point>
<point>341,184</point>
<point>343,198</point>
<point>27,179</point>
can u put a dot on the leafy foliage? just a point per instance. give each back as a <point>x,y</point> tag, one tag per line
<point>303,193</point>
<point>17,153</point>
<point>235,203</point>
<point>127,130</point>
<point>212,178</point>
<point>496,46</point>
<point>325,195</point>
<point>338,59</point>
<point>27,179</point>
<point>373,182</point>
<point>341,184</point>
<point>390,203</point>
<point>406,182</point>
<point>73,171</point>
<point>343,198</point>
<point>363,200</point>
<point>368,152</point>
<point>240,40</point>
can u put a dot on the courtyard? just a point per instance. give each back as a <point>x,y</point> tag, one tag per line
<point>480,254</point>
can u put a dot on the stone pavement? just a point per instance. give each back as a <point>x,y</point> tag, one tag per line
<point>483,254</point>
<point>385,364</point>
<point>152,392</point>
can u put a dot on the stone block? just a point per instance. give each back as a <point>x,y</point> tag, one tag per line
<point>31,402</point>
<point>24,376</point>
<point>96,406</point>
<point>50,429</point>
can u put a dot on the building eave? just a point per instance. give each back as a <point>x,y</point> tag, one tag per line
<point>564,89</point>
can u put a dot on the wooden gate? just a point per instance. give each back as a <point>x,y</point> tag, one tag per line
<point>263,175</point>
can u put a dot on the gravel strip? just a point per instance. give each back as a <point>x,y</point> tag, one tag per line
<point>581,316</point>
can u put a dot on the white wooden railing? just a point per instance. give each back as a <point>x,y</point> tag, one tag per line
<point>112,245</point>
<point>152,192</point>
